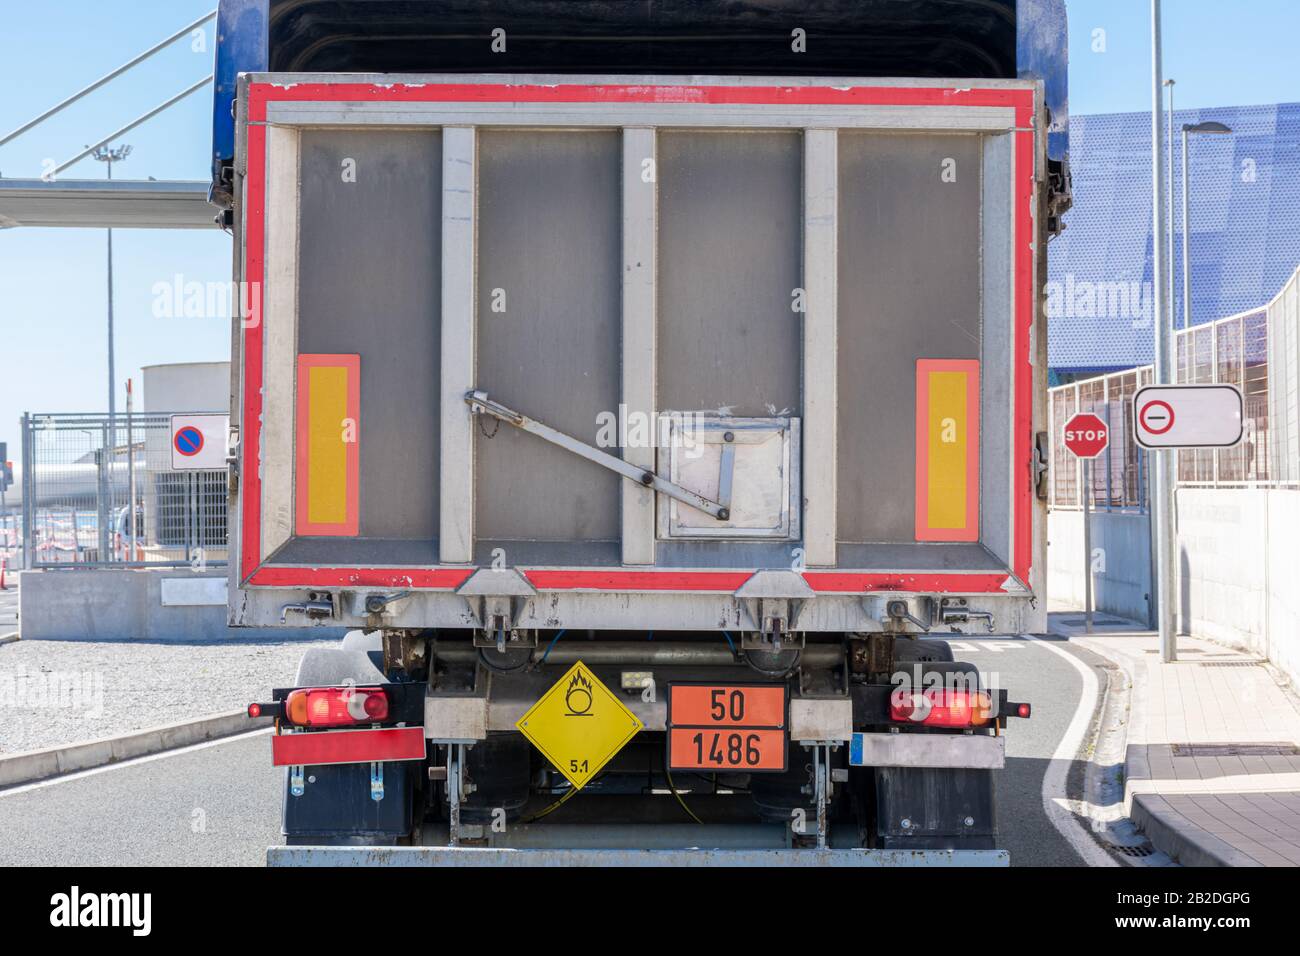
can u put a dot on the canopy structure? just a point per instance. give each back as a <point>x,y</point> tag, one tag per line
<point>94,203</point>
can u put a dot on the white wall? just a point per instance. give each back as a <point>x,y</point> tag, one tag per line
<point>1283,608</point>
<point>187,387</point>
<point>1239,554</point>
<point>1239,567</point>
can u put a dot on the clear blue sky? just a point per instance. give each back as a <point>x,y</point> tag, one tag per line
<point>52,281</point>
<point>52,316</point>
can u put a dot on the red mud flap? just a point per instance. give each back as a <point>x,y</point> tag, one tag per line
<point>347,746</point>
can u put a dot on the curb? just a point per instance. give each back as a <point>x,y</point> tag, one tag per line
<point>8,638</point>
<point>1171,833</point>
<point>41,764</point>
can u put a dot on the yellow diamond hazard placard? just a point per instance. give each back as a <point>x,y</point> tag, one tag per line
<point>579,725</point>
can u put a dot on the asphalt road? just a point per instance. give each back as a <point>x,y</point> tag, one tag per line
<point>1030,671</point>
<point>218,804</point>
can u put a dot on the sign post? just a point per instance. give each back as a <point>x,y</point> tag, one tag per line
<point>1162,366</point>
<point>1085,485</point>
<point>5,478</point>
<point>132,549</point>
<point>1086,436</point>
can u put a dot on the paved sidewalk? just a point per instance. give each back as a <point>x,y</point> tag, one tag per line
<point>1212,766</point>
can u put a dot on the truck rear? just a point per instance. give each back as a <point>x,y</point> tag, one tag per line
<point>647,426</point>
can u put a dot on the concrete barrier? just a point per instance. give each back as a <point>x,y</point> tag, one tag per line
<point>131,604</point>
<point>36,765</point>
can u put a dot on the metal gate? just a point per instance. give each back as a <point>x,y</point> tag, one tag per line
<point>79,472</point>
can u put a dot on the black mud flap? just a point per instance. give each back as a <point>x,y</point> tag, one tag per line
<point>925,808</point>
<point>336,807</point>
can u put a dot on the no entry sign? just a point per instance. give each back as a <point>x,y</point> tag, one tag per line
<point>1086,435</point>
<point>1188,416</point>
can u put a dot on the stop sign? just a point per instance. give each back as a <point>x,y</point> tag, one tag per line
<point>1086,435</point>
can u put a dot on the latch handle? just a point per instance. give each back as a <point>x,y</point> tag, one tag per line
<point>479,402</point>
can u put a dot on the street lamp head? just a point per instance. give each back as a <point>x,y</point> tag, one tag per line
<point>107,154</point>
<point>1207,127</point>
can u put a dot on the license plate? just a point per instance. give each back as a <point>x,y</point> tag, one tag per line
<point>733,727</point>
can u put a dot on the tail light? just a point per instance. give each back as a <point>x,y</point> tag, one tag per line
<point>1012,709</point>
<point>336,706</point>
<point>941,707</point>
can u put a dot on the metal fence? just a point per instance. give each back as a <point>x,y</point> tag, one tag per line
<point>80,475</point>
<point>1257,351</point>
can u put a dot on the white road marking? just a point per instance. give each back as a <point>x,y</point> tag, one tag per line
<point>1064,814</point>
<point>997,647</point>
<point>133,762</point>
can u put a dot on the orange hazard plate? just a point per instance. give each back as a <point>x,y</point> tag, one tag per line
<point>739,748</point>
<point>736,727</point>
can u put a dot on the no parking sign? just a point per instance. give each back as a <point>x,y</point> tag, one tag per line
<point>199,442</point>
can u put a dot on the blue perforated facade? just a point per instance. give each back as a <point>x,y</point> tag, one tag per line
<point>1245,212</point>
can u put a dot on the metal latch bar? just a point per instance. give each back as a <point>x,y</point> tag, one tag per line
<point>479,402</point>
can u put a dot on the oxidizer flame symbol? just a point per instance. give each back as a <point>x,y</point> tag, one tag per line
<point>578,697</point>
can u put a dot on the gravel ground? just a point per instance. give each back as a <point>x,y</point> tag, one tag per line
<point>61,692</point>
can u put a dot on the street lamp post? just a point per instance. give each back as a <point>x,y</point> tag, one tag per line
<point>1169,197</point>
<point>1162,484</point>
<point>1209,128</point>
<point>110,156</point>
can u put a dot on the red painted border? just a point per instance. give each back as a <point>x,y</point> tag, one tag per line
<point>1021,100</point>
<point>1024,289</point>
<point>292,577</point>
<point>724,581</point>
<point>250,525</point>
<point>350,525</point>
<point>961,582</point>
<point>971,368</point>
<point>347,746</point>
<point>721,94</point>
